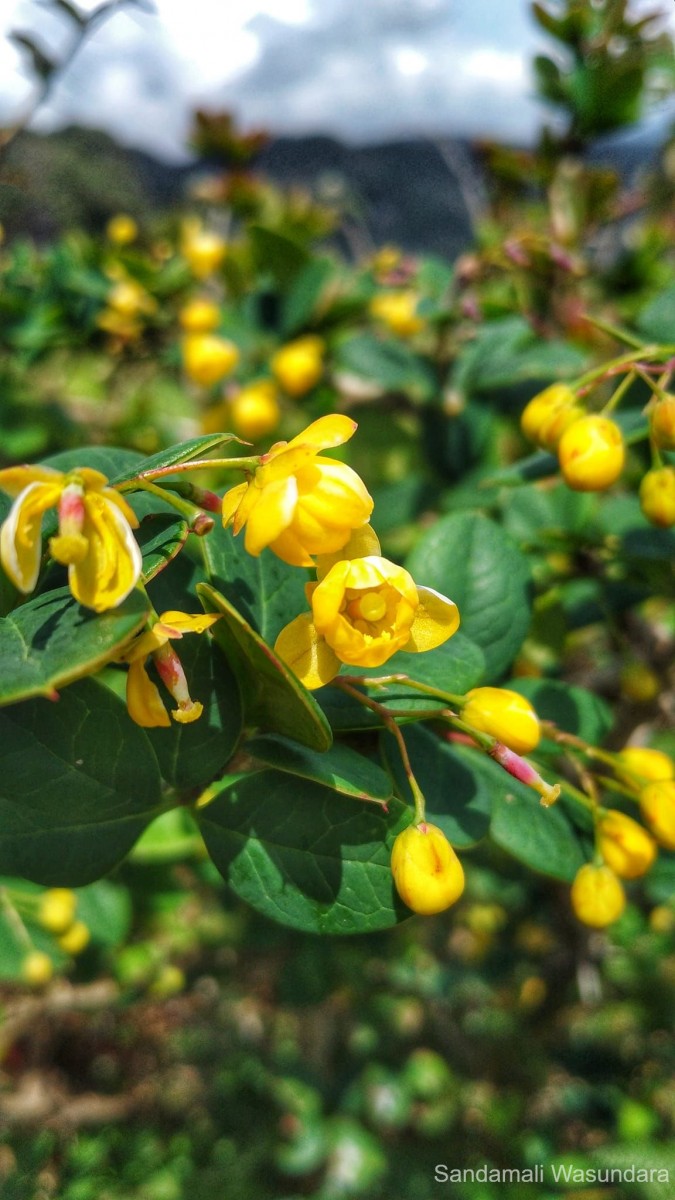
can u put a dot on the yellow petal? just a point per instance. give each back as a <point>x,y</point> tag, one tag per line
<point>362,543</point>
<point>436,619</point>
<point>328,431</point>
<point>21,535</point>
<point>93,481</point>
<point>113,564</point>
<point>125,508</point>
<point>175,624</point>
<point>290,549</point>
<point>143,699</point>
<point>231,502</point>
<point>306,653</point>
<point>188,713</point>
<point>272,514</point>
<point>13,480</point>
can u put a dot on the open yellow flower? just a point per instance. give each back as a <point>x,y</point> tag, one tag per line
<point>298,503</point>
<point>363,611</point>
<point>94,540</point>
<point>143,698</point>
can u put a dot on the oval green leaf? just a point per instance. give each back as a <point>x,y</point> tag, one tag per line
<point>340,768</point>
<point>303,856</point>
<point>273,697</point>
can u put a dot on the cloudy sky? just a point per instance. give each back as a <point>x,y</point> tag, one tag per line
<point>360,69</point>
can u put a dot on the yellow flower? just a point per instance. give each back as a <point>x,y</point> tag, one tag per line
<point>657,496</point>
<point>398,311</point>
<point>597,896</point>
<point>129,298</point>
<point>207,358</point>
<point>624,845</point>
<point>298,503</point>
<point>298,366</point>
<point>76,939</point>
<point>254,411</point>
<point>427,873</point>
<point>636,764</point>
<point>199,316</point>
<point>363,611</point>
<point>143,699</point>
<point>204,251</point>
<point>591,453</point>
<point>121,229</point>
<point>94,540</point>
<point>56,911</point>
<point>657,805</point>
<point>503,714</point>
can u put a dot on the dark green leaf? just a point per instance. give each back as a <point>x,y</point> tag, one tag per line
<point>78,783</point>
<point>303,855</point>
<point>266,591</point>
<point>456,666</point>
<point>273,697</point>
<point>395,367</point>
<point>340,768</point>
<point>276,253</point>
<point>161,538</point>
<point>458,793</point>
<point>573,709</point>
<point>303,298</point>
<point>542,838</point>
<point>51,641</point>
<point>195,448</point>
<point>471,559</point>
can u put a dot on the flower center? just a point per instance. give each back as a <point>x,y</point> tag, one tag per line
<point>371,606</point>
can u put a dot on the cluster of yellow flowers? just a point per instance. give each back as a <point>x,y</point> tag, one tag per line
<point>591,450</point>
<point>57,914</point>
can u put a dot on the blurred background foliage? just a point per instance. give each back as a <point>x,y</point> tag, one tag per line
<point>191,1047</point>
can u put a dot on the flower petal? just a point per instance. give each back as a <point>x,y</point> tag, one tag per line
<point>143,699</point>
<point>125,508</point>
<point>306,653</point>
<point>231,502</point>
<point>436,619</point>
<point>114,562</point>
<point>290,550</point>
<point>331,430</point>
<point>175,624</point>
<point>21,535</point>
<point>363,542</point>
<point>13,480</point>
<point>271,515</point>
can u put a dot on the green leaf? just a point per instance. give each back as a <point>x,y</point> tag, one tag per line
<point>340,768</point>
<point>395,367</point>
<point>109,460</point>
<point>78,783</point>
<point>276,253</point>
<point>456,666</point>
<point>471,559</point>
<point>106,910</point>
<point>542,838</point>
<point>192,755</point>
<point>13,944</point>
<point>304,296</point>
<point>267,592</point>
<point>273,697</point>
<point>459,795</point>
<point>574,709</point>
<point>539,465</point>
<point>51,641</point>
<point>161,538</point>
<point>535,512</point>
<point>304,856</point>
<point>195,448</point>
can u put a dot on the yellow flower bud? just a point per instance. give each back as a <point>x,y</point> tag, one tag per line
<point>597,896</point>
<point>657,805</point>
<point>505,715</point>
<point>207,358</point>
<point>642,763</point>
<point>662,423</point>
<point>121,229</point>
<point>203,251</point>
<point>591,454</point>
<point>254,411</point>
<point>76,939</point>
<point>199,316</point>
<point>542,407</point>
<point>624,845</point>
<point>298,366</point>
<point>57,910</point>
<point>553,426</point>
<point>398,311</point>
<point>37,968</point>
<point>657,496</point>
<point>427,873</point>
<point>129,299</point>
